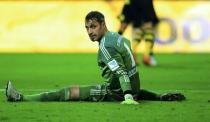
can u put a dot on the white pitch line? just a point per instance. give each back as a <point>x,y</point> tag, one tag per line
<point>30,90</point>
<point>42,90</point>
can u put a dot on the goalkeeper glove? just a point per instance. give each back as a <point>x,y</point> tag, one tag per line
<point>129,100</point>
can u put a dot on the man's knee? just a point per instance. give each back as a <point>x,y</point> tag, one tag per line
<point>137,34</point>
<point>74,93</point>
<point>148,31</point>
<point>149,35</point>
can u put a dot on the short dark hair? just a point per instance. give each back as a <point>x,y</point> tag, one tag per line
<point>95,15</point>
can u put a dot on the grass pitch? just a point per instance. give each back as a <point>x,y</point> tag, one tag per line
<point>34,73</point>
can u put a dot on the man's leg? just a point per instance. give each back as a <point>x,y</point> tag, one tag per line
<point>72,93</point>
<point>136,39</point>
<point>149,37</point>
<point>57,95</point>
<point>148,95</point>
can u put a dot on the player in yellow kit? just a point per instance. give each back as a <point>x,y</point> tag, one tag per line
<point>142,16</point>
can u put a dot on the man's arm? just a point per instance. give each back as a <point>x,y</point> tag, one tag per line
<point>115,63</point>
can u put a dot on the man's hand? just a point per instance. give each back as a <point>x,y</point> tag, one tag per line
<point>129,100</point>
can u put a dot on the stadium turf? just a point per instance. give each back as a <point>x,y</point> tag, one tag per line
<point>34,73</point>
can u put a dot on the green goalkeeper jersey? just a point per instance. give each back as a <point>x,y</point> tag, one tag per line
<point>116,61</point>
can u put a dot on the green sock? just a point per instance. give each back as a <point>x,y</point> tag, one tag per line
<point>59,95</point>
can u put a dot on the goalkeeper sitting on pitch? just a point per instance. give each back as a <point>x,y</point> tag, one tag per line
<point>118,67</point>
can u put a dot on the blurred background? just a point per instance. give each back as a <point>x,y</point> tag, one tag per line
<point>57,26</point>
<point>44,46</point>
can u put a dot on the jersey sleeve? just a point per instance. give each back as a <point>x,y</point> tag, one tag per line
<point>114,61</point>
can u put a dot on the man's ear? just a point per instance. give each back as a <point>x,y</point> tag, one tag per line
<point>103,23</point>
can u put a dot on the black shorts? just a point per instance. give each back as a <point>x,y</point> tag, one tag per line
<point>139,12</point>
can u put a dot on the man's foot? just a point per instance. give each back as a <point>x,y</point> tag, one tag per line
<point>153,62</point>
<point>172,97</point>
<point>12,94</point>
<point>149,60</point>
